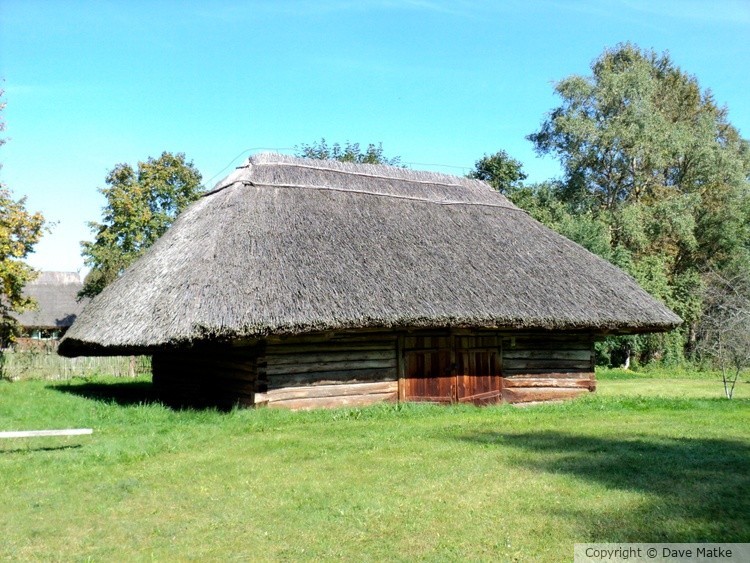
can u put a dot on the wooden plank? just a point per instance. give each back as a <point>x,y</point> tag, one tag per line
<point>546,372</point>
<point>279,380</point>
<point>334,402</point>
<point>323,357</point>
<point>555,375</point>
<point>40,433</point>
<point>322,367</point>
<point>547,382</point>
<point>401,369</point>
<point>519,354</point>
<point>376,336</point>
<point>484,398</point>
<point>429,399</point>
<point>319,391</point>
<point>547,343</point>
<point>512,364</point>
<point>277,350</point>
<point>523,395</point>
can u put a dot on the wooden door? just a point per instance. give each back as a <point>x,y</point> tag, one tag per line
<point>478,378</point>
<point>429,375</point>
<point>448,369</point>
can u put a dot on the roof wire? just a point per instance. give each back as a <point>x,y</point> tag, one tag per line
<point>464,169</point>
<point>208,182</point>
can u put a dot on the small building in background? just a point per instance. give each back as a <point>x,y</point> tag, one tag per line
<point>56,295</point>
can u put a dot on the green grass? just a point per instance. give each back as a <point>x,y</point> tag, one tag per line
<point>662,382</point>
<point>639,461</point>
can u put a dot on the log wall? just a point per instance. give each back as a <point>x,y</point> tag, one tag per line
<point>547,366</point>
<point>327,371</point>
<point>219,377</point>
<point>347,369</point>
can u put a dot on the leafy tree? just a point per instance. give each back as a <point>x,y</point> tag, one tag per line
<point>349,152</point>
<point>651,157</point>
<point>500,171</point>
<point>20,230</point>
<point>141,205</point>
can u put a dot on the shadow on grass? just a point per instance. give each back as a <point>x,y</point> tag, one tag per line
<point>140,393</point>
<point>698,489</point>
<point>38,449</point>
<point>124,394</point>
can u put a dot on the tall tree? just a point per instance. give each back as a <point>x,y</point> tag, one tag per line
<point>349,152</point>
<point>500,170</point>
<point>20,230</point>
<point>141,205</point>
<point>649,154</point>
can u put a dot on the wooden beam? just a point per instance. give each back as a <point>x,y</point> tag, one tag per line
<point>326,391</point>
<point>522,395</point>
<point>567,382</point>
<point>39,433</point>
<point>345,355</point>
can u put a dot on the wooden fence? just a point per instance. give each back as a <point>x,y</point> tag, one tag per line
<point>34,364</point>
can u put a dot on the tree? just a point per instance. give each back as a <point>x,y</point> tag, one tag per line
<point>653,158</point>
<point>141,205</point>
<point>724,329</point>
<point>350,152</point>
<point>500,171</point>
<point>20,230</point>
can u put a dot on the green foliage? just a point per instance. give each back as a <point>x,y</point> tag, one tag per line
<point>349,152</point>
<point>141,205</point>
<point>656,181</point>
<point>20,230</point>
<point>500,171</point>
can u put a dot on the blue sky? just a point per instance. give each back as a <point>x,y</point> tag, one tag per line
<point>439,83</point>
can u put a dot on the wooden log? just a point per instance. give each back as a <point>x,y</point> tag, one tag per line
<point>547,382</point>
<point>523,395</point>
<point>332,349</point>
<point>367,337</point>
<point>322,367</point>
<point>334,402</point>
<point>522,343</point>
<point>323,357</point>
<point>562,365</point>
<point>326,377</point>
<point>546,372</point>
<point>518,354</point>
<point>321,391</point>
<point>41,433</point>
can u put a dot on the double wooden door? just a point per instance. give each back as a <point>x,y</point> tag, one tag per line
<point>449,369</point>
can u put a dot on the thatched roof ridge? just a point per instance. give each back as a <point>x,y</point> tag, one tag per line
<point>288,246</point>
<point>275,170</point>
<point>56,295</point>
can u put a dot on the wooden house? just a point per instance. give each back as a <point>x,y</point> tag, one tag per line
<point>57,306</point>
<point>304,283</point>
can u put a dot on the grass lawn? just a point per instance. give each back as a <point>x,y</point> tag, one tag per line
<point>643,459</point>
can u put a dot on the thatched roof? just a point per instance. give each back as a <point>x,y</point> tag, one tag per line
<point>287,246</point>
<point>56,296</point>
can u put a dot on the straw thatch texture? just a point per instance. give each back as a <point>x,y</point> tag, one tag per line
<point>287,246</point>
<point>56,296</point>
